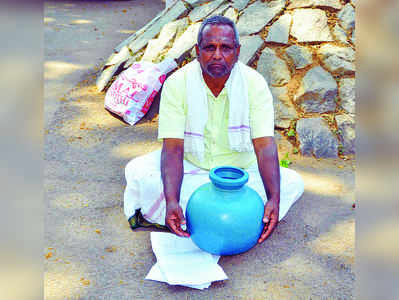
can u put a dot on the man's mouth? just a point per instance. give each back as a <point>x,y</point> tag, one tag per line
<point>216,69</point>
<point>216,65</point>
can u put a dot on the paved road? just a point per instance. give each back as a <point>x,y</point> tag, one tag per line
<point>90,250</point>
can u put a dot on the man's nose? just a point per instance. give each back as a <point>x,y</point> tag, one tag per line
<point>217,54</point>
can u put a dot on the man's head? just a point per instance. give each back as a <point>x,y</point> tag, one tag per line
<point>217,46</point>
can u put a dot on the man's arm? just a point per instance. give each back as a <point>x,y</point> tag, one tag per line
<point>172,175</point>
<point>269,169</point>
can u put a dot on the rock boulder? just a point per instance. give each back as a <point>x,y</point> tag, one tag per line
<point>347,134</point>
<point>284,110</point>
<point>315,138</point>
<point>257,15</point>
<point>317,92</point>
<point>300,56</point>
<point>337,59</point>
<point>273,68</point>
<point>310,25</point>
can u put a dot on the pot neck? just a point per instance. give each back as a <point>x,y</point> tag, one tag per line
<point>228,178</point>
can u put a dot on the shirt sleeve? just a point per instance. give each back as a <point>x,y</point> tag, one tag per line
<point>261,111</point>
<point>172,115</point>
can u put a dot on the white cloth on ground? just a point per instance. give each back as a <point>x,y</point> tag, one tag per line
<point>144,189</point>
<point>180,261</point>
<point>197,110</point>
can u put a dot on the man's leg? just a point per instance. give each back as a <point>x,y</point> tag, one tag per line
<point>144,189</point>
<point>291,187</point>
<point>143,182</point>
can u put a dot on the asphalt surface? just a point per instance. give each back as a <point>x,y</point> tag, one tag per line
<point>90,250</point>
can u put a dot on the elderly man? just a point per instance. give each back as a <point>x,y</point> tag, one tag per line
<point>214,111</point>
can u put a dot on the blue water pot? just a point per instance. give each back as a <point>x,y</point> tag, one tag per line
<point>224,217</point>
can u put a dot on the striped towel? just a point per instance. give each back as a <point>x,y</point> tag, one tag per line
<point>239,131</point>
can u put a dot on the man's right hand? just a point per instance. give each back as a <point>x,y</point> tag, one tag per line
<point>174,219</point>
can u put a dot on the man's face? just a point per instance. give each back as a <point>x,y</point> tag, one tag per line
<point>217,53</point>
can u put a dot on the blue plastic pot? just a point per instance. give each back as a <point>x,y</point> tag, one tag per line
<point>224,217</point>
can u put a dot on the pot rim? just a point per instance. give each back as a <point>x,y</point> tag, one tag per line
<point>228,177</point>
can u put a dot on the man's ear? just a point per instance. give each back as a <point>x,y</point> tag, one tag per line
<point>197,50</point>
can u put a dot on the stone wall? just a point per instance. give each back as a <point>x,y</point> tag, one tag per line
<point>304,48</point>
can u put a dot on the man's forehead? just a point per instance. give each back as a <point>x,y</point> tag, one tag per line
<point>218,31</point>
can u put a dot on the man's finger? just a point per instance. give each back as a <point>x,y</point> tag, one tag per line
<point>266,215</point>
<point>269,231</point>
<point>266,220</point>
<point>181,232</point>
<point>181,221</point>
<point>181,217</point>
<point>263,232</point>
<point>262,236</point>
<point>174,226</point>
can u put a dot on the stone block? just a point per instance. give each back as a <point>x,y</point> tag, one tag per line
<point>280,29</point>
<point>167,34</point>
<point>347,94</point>
<point>201,12</point>
<point>340,34</point>
<point>249,46</point>
<point>353,37</point>
<point>232,14</point>
<point>220,10</point>
<point>317,92</point>
<point>240,4</point>
<point>257,15</point>
<point>119,57</point>
<point>347,133</point>
<point>273,68</point>
<point>284,110</point>
<point>195,3</point>
<point>311,3</point>
<point>310,25</point>
<point>106,76</point>
<point>185,42</point>
<point>300,56</point>
<point>315,138</point>
<point>337,59</point>
<point>346,17</point>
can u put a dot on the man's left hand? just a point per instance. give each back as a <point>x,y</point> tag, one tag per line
<point>270,218</point>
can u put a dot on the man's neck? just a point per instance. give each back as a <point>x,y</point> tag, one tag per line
<point>216,85</point>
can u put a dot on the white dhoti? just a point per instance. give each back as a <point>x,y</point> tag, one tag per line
<point>144,189</point>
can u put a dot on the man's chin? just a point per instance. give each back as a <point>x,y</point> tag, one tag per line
<point>216,70</point>
<point>215,74</point>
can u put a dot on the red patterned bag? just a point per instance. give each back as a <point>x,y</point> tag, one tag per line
<point>132,93</point>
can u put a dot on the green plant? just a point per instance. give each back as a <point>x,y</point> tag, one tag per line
<point>341,149</point>
<point>291,132</point>
<point>336,131</point>
<point>295,150</point>
<point>285,162</point>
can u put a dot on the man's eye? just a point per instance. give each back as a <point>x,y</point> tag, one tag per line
<point>210,48</point>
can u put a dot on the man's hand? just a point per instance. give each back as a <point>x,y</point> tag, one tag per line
<point>174,219</point>
<point>269,169</point>
<point>172,176</point>
<point>270,218</point>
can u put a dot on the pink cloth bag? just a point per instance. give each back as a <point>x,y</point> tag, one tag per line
<point>132,93</point>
